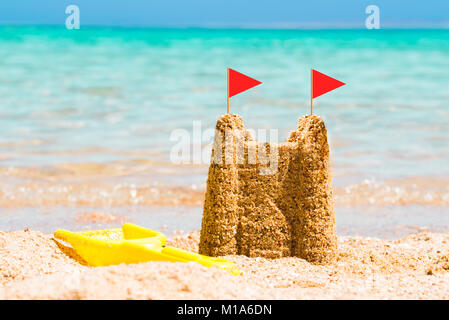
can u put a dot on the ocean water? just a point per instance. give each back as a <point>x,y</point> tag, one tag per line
<point>86,117</point>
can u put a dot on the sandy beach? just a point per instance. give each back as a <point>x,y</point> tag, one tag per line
<point>34,266</point>
<point>112,124</point>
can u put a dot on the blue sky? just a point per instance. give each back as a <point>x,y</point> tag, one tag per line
<point>230,13</point>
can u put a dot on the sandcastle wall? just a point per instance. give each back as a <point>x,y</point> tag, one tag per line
<point>289,212</point>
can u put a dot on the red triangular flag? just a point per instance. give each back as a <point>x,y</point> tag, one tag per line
<point>238,82</point>
<point>322,84</point>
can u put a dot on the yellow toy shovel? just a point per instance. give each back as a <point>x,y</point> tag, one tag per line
<point>133,244</point>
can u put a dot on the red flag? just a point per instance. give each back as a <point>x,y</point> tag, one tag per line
<point>238,82</point>
<point>322,84</point>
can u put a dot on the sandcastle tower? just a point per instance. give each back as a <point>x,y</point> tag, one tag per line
<point>287,212</point>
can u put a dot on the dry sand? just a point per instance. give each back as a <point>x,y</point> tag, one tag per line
<point>32,266</point>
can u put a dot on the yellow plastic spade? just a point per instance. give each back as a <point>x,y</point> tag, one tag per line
<point>133,244</point>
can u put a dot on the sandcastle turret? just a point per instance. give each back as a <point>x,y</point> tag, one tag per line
<point>253,211</point>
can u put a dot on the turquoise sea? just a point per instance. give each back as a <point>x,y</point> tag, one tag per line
<point>84,113</point>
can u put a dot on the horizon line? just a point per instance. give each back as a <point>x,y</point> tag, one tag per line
<point>246,26</point>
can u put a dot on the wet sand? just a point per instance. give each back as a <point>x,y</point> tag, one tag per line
<point>33,266</point>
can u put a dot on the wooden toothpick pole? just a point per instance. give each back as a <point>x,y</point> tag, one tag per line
<point>311,91</point>
<point>228,90</point>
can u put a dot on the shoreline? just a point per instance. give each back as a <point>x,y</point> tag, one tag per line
<point>32,266</point>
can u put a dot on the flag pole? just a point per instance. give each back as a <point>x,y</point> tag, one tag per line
<point>311,91</point>
<point>228,90</point>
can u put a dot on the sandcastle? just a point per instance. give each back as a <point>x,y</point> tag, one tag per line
<point>286,213</point>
